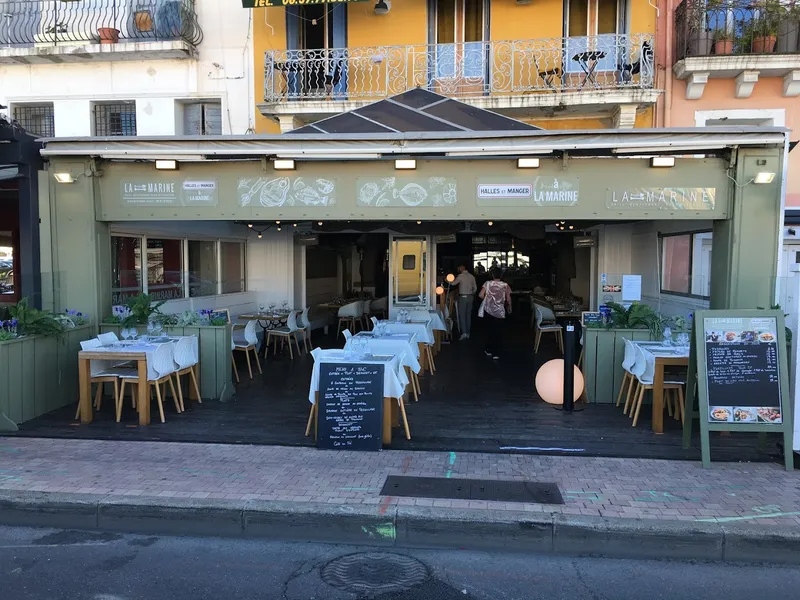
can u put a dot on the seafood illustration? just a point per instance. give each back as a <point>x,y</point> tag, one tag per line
<point>412,194</point>
<point>286,191</point>
<point>389,191</point>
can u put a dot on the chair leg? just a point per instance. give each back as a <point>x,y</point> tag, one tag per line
<point>160,403</point>
<point>275,346</point>
<point>178,401</point>
<point>235,368</point>
<point>266,344</point>
<point>405,419</point>
<point>639,402</point>
<point>307,340</point>
<point>118,398</point>
<point>297,343</point>
<point>622,386</point>
<point>310,419</point>
<point>258,362</point>
<point>194,383</point>
<point>413,385</point>
<point>249,366</point>
<point>78,411</point>
<point>560,340</point>
<point>431,364</point>
<point>668,401</point>
<point>98,396</point>
<point>180,391</point>
<point>291,352</point>
<point>681,400</point>
<point>633,389</point>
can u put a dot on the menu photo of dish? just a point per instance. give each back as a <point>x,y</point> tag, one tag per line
<point>721,414</point>
<point>744,414</point>
<point>769,414</point>
<point>742,331</point>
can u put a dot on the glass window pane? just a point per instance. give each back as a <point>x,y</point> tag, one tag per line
<point>473,20</point>
<point>578,18</point>
<point>445,21</point>
<point>6,265</point>
<point>675,263</point>
<point>701,264</point>
<point>606,16</point>
<point>164,269</point>
<point>126,268</point>
<point>202,268</point>
<point>232,267</point>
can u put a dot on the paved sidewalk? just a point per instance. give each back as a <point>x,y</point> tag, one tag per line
<point>602,487</point>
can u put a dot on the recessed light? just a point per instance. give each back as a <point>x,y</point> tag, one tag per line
<point>491,223</point>
<point>572,227</point>
<point>167,165</point>
<point>250,225</point>
<point>527,163</point>
<point>764,177</point>
<point>277,222</point>
<point>419,222</point>
<point>283,164</point>
<point>320,223</point>
<point>405,164</point>
<point>662,161</point>
<point>279,228</point>
<point>294,224</point>
<point>64,177</point>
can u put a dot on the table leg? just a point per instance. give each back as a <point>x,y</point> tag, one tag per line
<point>143,397</point>
<point>423,357</point>
<point>658,398</point>
<point>396,412</point>
<point>387,421</point>
<point>85,400</point>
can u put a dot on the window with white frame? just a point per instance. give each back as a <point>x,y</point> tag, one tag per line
<point>175,268</point>
<point>686,264</point>
<point>114,118</point>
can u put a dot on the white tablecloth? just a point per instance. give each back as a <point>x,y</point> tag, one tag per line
<point>393,386</point>
<point>146,346</point>
<point>434,316</point>
<point>423,331</point>
<point>401,345</point>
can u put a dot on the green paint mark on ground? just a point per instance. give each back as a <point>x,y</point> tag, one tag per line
<point>451,461</point>
<point>386,531</point>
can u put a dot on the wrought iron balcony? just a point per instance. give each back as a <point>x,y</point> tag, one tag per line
<point>48,23</point>
<point>736,27</point>
<point>519,67</point>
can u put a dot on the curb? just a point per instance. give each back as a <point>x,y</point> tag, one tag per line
<point>405,527</point>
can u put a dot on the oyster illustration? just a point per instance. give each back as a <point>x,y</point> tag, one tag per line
<point>325,186</point>
<point>274,192</point>
<point>412,194</point>
<point>368,192</point>
<point>436,181</point>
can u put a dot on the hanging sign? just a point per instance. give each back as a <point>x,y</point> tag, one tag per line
<point>268,3</point>
<point>740,360</point>
<point>539,191</point>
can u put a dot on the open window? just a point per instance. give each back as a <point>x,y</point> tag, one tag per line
<point>459,34</point>
<point>592,28</point>
<point>316,37</point>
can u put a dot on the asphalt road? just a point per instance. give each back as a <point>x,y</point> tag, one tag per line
<point>46,564</point>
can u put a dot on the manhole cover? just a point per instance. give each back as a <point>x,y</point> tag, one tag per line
<point>374,572</point>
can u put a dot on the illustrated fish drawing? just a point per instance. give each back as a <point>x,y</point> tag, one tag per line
<point>325,186</point>
<point>412,194</point>
<point>246,197</point>
<point>274,192</point>
<point>368,192</point>
<point>308,196</point>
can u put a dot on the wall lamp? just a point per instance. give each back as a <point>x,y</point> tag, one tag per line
<point>405,164</point>
<point>527,163</point>
<point>167,165</point>
<point>764,177</point>
<point>283,164</point>
<point>382,7</point>
<point>662,161</point>
<point>64,177</point>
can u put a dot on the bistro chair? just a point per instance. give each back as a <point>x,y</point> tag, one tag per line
<point>380,307</point>
<point>186,360</point>
<point>545,326</point>
<point>233,361</point>
<point>101,372</point>
<point>285,334</point>
<point>247,344</point>
<point>108,338</point>
<point>628,378</point>
<point>304,327</point>
<point>374,321</point>
<point>366,309</point>
<point>159,372</point>
<point>644,370</point>
<point>347,335</point>
<point>349,316</point>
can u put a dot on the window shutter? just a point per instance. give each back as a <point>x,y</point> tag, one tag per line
<point>213,119</point>
<point>193,119</point>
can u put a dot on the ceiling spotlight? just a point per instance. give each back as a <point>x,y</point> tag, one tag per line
<point>277,222</point>
<point>279,227</point>
<point>250,225</point>
<point>572,227</point>
<point>382,7</point>
<point>491,223</point>
<point>562,222</point>
<point>294,224</point>
<point>419,222</point>
<point>320,223</point>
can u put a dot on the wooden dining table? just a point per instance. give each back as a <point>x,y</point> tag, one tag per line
<point>662,360</point>
<point>85,379</point>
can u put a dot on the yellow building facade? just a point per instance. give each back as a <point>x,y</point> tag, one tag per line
<point>558,64</point>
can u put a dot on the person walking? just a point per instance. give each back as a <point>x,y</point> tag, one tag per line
<point>467,286</point>
<point>496,304</point>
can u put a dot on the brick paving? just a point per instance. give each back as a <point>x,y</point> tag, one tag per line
<point>753,493</point>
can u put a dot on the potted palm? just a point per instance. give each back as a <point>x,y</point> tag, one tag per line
<point>110,35</point>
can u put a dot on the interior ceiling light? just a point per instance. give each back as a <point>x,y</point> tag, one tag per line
<point>294,224</point>
<point>279,227</point>
<point>167,165</point>
<point>64,177</point>
<point>491,223</point>
<point>283,164</point>
<point>419,222</point>
<point>277,222</point>
<point>662,161</point>
<point>382,7</point>
<point>259,235</point>
<point>402,164</point>
<point>527,163</point>
<point>250,225</point>
<point>764,177</point>
<point>572,227</point>
<point>320,223</point>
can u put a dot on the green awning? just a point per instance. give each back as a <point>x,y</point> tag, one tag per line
<point>268,3</point>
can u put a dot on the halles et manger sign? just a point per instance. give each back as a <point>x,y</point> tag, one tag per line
<point>543,191</point>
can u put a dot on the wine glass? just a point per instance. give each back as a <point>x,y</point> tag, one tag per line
<point>133,332</point>
<point>261,308</point>
<point>125,334</point>
<point>158,328</point>
<point>151,327</point>
<point>285,306</point>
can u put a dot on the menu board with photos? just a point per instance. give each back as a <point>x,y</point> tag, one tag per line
<point>350,411</point>
<point>742,373</point>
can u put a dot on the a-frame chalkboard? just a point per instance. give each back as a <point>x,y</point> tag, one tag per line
<point>739,370</point>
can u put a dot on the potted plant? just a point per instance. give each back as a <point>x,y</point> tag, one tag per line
<point>110,35</point>
<point>723,42</point>
<point>759,34</point>
<point>789,29</point>
<point>143,18</point>
<point>699,34</point>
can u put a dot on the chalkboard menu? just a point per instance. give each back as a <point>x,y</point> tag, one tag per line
<point>350,411</point>
<point>742,375</point>
<point>592,318</point>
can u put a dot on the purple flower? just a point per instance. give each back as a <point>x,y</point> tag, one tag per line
<point>79,314</point>
<point>13,322</point>
<point>2,323</point>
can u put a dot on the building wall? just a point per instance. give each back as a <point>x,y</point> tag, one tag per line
<point>158,86</point>
<point>269,33</point>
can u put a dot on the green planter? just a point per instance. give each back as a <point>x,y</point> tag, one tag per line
<point>40,374</point>
<point>602,361</point>
<point>215,355</point>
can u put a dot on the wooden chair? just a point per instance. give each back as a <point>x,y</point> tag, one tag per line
<point>247,344</point>
<point>628,378</point>
<point>101,372</point>
<point>285,334</point>
<point>350,316</point>
<point>159,373</point>
<point>547,326</point>
<point>186,359</point>
<point>644,371</point>
<point>304,328</point>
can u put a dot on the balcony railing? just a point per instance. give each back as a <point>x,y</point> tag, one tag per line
<point>723,27</point>
<point>42,23</point>
<point>603,62</point>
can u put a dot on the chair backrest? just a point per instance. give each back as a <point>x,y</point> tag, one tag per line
<point>539,316</point>
<point>90,344</point>
<point>162,363</point>
<point>640,366</point>
<point>106,339</point>
<point>374,320</point>
<point>304,322</point>
<point>366,307</point>
<point>548,316</point>
<point>184,353</point>
<point>347,335</point>
<point>630,355</point>
<point>351,310</point>
<point>291,322</point>
<point>96,366</point>
<point>381,304</point>
<point>250,335</point>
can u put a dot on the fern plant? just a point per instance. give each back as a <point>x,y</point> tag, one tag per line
<point>31,321</point>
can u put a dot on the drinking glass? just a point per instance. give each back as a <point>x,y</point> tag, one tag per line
<point>133,332</point>
<point>125,334</point>
<point>261,309</point>
<point>158,328</point>
<point>151,327</point>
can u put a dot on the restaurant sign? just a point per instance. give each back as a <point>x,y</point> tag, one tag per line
<point>662,198</point>
<point>268,3</point>
<point>190,192</point>
<point>542,191</point>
